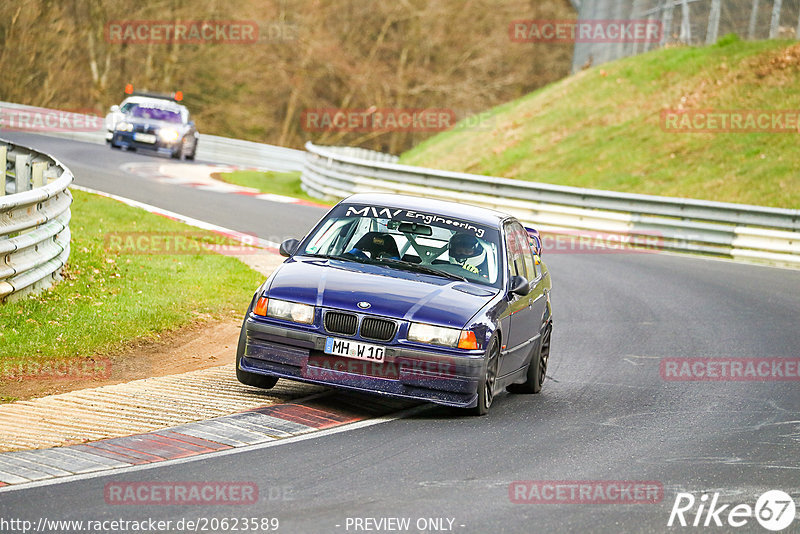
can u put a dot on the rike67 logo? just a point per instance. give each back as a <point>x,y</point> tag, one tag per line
<point>774,510</point>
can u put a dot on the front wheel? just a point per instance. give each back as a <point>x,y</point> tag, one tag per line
<point>181,151</point>
<point>194,151</point>
<point>251,379</point>
<point>486,387</point>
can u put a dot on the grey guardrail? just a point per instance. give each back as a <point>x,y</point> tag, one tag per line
<point>731,230</point>
<point>34,220</point>
<point>216,149</point>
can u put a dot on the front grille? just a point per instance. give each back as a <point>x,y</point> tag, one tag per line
<point>378,329</point>
<point>341,323</point>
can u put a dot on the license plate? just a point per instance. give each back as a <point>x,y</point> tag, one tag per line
<point>354,349</point>
<point>144,138</point>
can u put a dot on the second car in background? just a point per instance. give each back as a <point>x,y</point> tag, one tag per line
<point>152,123</point>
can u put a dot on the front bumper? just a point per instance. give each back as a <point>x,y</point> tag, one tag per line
<point>432,375</point>
<point>126,140</point>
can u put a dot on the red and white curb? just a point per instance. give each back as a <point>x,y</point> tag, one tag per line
<point>246,429</point>
<point>201,177</point>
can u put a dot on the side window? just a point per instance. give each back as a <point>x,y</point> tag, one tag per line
<point>527,253</point>
<point>516,261</point>
<point>520,258</point>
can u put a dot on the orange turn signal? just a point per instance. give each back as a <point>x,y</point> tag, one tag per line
<point>178,96</point>
<point>467,340</point>
<point>129,89</point>
<point>261,307</point>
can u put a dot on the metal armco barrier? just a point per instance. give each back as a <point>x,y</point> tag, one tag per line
<point>34,220</point>
<point>736,231</point>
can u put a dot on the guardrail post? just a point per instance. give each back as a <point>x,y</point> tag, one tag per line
<point>3,165</point>
<point>38,173</point>
<point>22,169</point>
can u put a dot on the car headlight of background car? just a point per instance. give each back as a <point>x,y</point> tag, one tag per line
<point>285,310</point>
<point>124,126</point>
<point>169,135</point>
<point>440,335</point>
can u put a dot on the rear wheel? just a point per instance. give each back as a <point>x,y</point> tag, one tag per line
<point>537,370</point>
<point>251,379</point>
<point>486,387</point>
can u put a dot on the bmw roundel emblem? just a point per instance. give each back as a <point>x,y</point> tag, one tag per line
<point>364,305</point>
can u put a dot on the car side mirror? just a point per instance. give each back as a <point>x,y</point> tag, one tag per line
<point>519,286</point>
<point>289,247</point>
<point>114,108</point>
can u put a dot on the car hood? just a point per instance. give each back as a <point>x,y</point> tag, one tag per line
<point>392,293</point>
<point>155,123</point>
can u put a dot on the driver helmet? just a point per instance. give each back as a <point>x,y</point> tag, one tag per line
<point>464,247</point>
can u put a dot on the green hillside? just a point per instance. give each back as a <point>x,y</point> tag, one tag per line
<point>602,128</point>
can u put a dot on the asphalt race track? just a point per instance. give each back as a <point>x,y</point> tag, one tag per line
<point>605,413</point>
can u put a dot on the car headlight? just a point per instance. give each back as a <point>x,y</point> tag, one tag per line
<point>283,309</point>
<point>124,126</point>
<point>169,135</point>
<point>433,335</point>
<point>440,335</point>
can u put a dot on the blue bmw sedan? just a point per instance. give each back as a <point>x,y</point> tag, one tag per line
<point>406,297</point>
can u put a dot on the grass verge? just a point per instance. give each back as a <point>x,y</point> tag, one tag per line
<point>602,128</point>
<point>276,183</point>
<point>109,299</point>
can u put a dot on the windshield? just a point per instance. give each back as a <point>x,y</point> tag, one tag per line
<point>154,113</point>
<point>409,240</point>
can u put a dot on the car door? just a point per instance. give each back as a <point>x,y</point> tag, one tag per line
<point>538,289</point>
<point>522,328</point>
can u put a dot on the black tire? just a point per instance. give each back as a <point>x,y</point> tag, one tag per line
<point>251,379</point>
<point>486,387</point>
<point>180,152</point>
<point>194,151</point>
<point>537,370</point>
